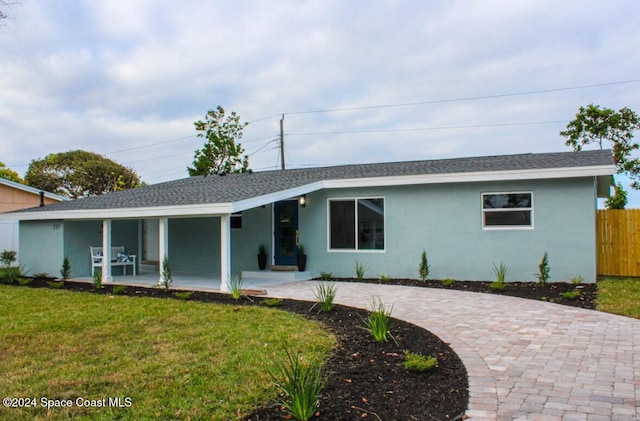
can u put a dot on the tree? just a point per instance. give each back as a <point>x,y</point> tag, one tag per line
<point>9,174</point>
<point>597,125</point>
<point>618,200</point>
<point>76,174</point>
<point>8,4</point>
<point>220,151</point>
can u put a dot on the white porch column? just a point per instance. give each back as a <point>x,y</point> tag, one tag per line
<point>106,251</point>
<point>163,244</point>
<point>225,253</point>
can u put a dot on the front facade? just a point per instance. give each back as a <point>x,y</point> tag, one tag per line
<point>467,214</point>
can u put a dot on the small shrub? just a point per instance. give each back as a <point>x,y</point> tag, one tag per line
<point>41,275</point>
<point>577,280</point>
<point>12,274</point>
<point>501,272</point>
<point>65,272</point>
<point>166,278</point>
<point>570,295</point>
<point>419,363</point>
<point>118,289</point>
<point>56,284</point>
<point>272,302</point>
<point>447,282</point>
<point>377,321</point>
<point>385,278</point>
<point>7,257</point>
<point>325,276</point>
<point>97,280</point>
<point>24,281</point>
<point>300,381</point>
<point>360,269</point>
<point>325,293</point>
<point>497,286</point>
<point>423,268</point>
<point>236,284</point>
<point>543,270</point>
<point>183,295</point>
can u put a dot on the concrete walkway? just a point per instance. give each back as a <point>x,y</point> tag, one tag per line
<point>526,360</point>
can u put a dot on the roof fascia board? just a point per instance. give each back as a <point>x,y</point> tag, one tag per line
<point>266,199</point>
<point>125,213</point>
<point>529,174</point>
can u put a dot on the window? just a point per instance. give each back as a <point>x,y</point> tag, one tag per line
<point>356,224</point>
<point>236,221</point>
<point>507,210</point>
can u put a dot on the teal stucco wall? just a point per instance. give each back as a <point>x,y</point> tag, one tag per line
<point>42,246</point>
<point>78,237</point>
<point>245,242</point>
<point>446,221</point>
<point>194,246</point>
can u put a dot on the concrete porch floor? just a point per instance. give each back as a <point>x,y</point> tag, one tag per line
<point>251,280</point>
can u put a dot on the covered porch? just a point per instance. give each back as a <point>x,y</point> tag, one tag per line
<point>204,251</point>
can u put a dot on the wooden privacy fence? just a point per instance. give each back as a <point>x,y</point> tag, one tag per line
<point>618,242</point>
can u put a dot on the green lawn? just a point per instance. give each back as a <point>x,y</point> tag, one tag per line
<point>619,296</point>
<point>172,359</point>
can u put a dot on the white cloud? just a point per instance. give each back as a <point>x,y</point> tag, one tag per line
<point>108,76</point>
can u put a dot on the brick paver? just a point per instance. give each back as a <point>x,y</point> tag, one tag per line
<point>526,359</point>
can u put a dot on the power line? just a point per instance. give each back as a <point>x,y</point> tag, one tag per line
<point>472,98</point>
<point>262,147</point>
<point>150,145</point>
<point>475,126</point>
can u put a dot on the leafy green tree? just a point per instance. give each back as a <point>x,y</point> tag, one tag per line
<point>9,174</point>
<point>76,174</point>
<point>618,200</point>
<point>599,125</point>
<point>220,151</point>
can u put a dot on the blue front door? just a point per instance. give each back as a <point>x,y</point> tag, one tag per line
<point>286,232</point>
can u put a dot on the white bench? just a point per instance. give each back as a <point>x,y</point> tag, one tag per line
<point>118,258</point>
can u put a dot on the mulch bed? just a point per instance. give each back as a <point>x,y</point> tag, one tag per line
<point>530,290</point>
<point>366,379</point>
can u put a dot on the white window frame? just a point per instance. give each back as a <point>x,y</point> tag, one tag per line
<point>355,200</point>
<point>507,227</point>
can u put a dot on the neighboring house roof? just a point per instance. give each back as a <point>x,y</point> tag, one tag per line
<point>218,194</point>
<point>33,190</point>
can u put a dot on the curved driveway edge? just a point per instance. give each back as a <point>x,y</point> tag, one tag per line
<point>526,359</point>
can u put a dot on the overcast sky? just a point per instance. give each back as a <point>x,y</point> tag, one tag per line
<point>357,81</point>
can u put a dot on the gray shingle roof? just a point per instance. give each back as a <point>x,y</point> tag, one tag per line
<point>236,187</point>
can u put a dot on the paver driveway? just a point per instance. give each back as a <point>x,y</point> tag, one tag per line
<point>526,359</point>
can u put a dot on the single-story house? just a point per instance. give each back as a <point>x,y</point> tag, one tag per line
<point>466,213</point>
<point>14,196</point>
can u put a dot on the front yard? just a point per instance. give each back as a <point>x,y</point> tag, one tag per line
<point>619,296</point>
<point>164,359</point>
<point>123,357</point>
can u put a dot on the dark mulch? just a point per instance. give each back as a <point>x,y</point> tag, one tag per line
<point>531,290</point>
<point>366,379</point>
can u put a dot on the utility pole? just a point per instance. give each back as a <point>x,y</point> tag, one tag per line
<point>282,142</point>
